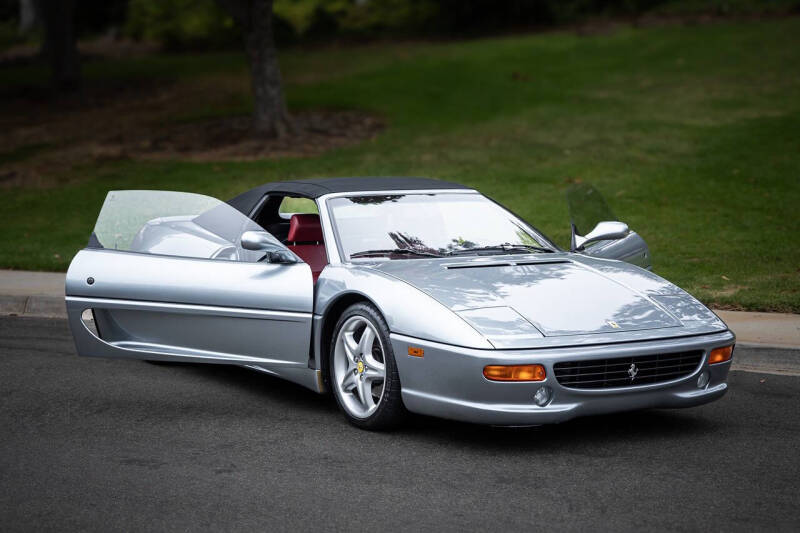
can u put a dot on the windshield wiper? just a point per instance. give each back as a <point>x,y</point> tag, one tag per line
<point>504,248</point>
<point>393,251</point>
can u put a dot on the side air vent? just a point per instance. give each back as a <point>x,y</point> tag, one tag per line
<point>87,317</point>
<point>456,266</point>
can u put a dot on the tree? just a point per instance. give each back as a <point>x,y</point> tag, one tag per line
<point>27,16</point>
<point>60,47</point>
<point>254,17</point>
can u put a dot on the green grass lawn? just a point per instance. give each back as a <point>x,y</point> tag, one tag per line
<point>692,133</point>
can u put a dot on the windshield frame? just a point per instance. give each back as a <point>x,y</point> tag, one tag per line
<point>331,230</point>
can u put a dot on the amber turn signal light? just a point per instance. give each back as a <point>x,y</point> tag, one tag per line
<point>720,355</point>
<point>413,351</point>
<point>514,372</point>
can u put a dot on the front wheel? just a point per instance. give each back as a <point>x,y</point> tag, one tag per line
<point>363,373</point>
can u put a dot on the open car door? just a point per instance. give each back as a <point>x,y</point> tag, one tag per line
<point>175,276</point>
<point>590,214</point>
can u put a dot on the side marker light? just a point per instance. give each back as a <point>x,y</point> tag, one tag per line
<point>413,351</point>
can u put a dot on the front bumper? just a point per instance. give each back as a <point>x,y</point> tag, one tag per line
<point>448,381</point>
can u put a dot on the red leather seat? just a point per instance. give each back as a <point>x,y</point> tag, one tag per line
<point>305,240</point>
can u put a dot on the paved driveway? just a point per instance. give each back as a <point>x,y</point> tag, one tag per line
<point>101,444</point>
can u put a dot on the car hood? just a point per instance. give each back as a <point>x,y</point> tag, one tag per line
<point>513,300</point>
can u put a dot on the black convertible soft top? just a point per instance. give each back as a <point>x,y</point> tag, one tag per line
<point>316,187</point>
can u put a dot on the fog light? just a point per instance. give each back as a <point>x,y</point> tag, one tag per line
<point>702,381</point>
<point>543,396</point>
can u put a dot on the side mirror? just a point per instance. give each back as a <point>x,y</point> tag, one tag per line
<point>263,241</point>
<point>603,231</point>
<point>257,240</point>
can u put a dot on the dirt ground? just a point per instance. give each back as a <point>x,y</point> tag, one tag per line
<point>42,137</point>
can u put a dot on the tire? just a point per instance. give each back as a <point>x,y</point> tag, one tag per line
<point>362,370</point>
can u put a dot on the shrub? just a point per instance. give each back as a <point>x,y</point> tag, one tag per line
<point>181,24</point>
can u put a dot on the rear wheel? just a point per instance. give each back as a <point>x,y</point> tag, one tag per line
<point>363,373</point>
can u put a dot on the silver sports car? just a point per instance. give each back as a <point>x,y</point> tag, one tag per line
<point>398,294</point>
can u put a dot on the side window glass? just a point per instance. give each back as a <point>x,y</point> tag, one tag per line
<point>175,224</point>
<point>292,206</point>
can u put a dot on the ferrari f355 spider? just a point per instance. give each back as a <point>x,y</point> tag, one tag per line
<point>398,295</point>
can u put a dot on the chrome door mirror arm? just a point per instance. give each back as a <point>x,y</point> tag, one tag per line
<point>278,257</point>
<point>263,241</point>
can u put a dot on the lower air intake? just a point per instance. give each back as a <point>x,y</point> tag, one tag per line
<point>627,371</point>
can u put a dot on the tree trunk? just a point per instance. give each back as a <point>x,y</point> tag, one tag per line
<point>270,116</point>
<point>60,43</point>
<point>27,16</point>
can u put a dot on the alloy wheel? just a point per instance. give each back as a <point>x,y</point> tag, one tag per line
<point>359,368</point>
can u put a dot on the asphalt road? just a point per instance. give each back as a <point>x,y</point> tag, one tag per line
<point>103,445</point>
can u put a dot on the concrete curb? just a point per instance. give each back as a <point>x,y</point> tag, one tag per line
<point>24,283</point>
<point>33,306</point>
<point>776,330</point>
<point>763,360</point>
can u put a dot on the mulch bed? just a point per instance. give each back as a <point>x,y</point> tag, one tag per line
<point>312,133</point>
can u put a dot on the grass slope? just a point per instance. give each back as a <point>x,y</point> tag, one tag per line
<point>692,133</point>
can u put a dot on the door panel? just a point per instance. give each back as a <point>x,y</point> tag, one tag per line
<point>192,332</point>
<point>185,290</point>
<point>156,278</point>
<point>632,249</point>
<point>234,311</point>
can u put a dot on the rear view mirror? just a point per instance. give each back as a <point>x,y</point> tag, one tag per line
<point>603,231</point>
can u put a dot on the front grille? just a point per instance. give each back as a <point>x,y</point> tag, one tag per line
<point>616,372</point>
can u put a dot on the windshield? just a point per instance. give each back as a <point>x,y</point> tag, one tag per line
<point>407,226</point>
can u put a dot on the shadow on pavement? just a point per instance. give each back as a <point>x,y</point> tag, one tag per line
<point>599,431</point>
